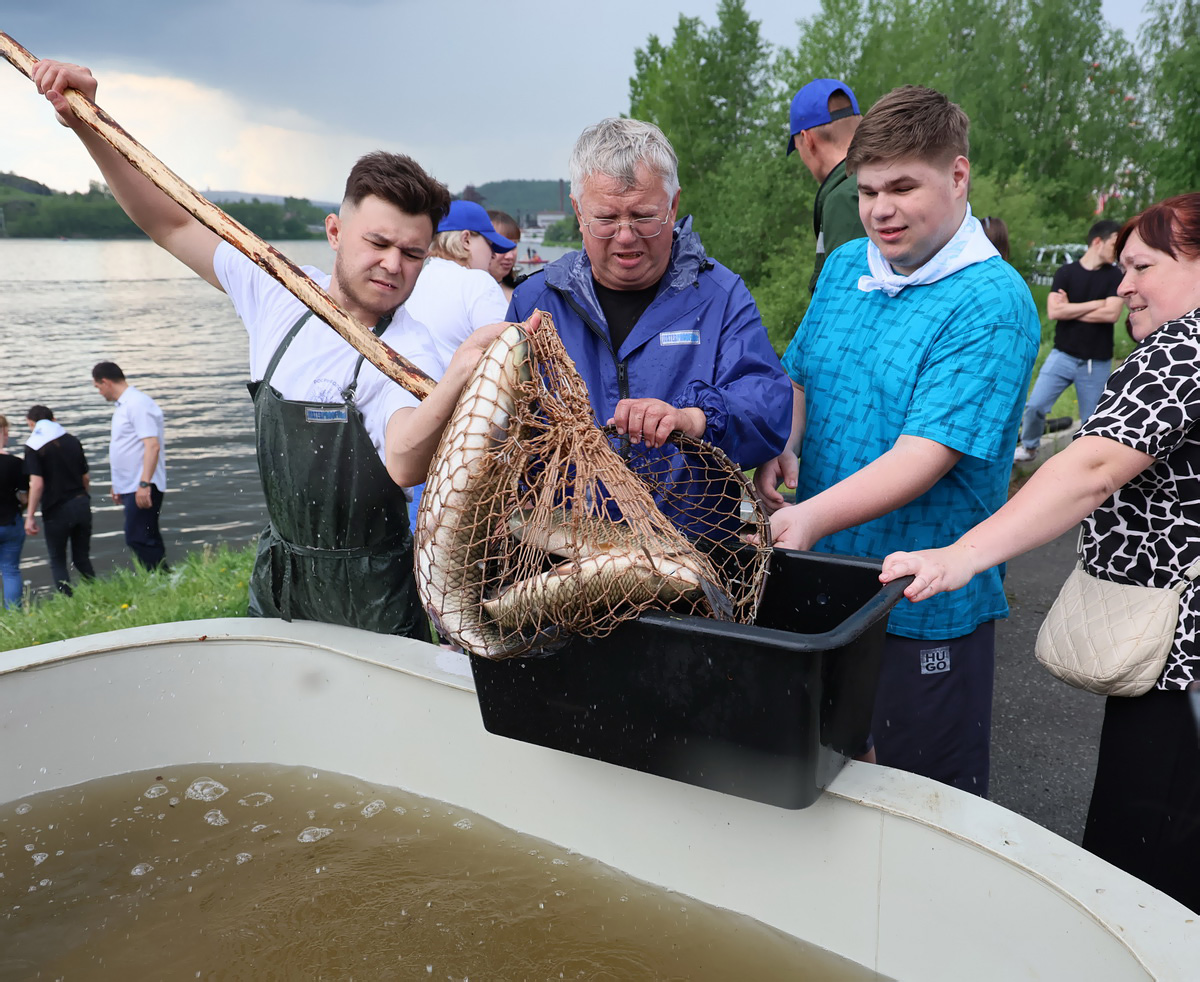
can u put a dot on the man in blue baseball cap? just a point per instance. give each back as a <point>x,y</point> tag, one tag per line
<point>824,117</point>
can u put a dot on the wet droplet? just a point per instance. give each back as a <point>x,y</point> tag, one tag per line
<point>154,791</point>
<point>463,823</point>
<point>373,808</point>
<point>141,869</point>
<point>205,789</point>
<point>24,808</point>
<point>215,817</point>
<point>243,857</point>
<point>40,857</point>
<point>256,799</point>
<point>312,834</point>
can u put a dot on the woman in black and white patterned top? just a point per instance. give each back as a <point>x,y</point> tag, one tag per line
<point>1132,477</point>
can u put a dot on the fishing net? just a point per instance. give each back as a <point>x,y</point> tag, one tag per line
<point>535,524</point>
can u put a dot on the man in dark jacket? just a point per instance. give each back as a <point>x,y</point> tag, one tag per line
<point>665,338</point>
<point>824,117</point>
<point>58,481</point>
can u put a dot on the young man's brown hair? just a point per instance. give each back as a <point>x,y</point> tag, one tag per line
<point>911,121</point>
<point>400,181</point>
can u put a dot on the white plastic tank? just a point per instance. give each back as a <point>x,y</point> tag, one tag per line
<point>905,876</point>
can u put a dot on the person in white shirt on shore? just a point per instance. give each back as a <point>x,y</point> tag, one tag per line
<point>137,456</point>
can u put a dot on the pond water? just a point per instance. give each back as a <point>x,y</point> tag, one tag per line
<point>65,305</point>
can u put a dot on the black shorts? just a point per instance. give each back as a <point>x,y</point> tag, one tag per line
<point>933,707</point>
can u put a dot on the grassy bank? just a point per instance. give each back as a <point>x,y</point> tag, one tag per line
<point>210,583</point>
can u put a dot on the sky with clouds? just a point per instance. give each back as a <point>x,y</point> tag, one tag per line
<point>281,97</point>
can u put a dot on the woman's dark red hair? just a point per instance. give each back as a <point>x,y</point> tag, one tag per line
<point>1171,226</point>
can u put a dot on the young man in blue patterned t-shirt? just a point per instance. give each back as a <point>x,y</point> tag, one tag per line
<point>909,373</point>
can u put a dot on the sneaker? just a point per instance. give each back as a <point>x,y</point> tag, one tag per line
<point>1024,454</point>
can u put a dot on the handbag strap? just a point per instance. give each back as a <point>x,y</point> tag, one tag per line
<point>1188,575</point>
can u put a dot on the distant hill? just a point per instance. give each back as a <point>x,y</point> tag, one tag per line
<point>29,208</point>
<point>521,199</point>
<point>224,197</point>
<point>25,184</point>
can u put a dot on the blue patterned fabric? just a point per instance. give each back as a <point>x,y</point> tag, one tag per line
<point>949,361</point>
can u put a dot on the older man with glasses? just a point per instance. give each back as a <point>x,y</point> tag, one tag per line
<point>665,338</point>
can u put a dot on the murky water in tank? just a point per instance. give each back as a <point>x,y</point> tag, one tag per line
<point>254,871</point>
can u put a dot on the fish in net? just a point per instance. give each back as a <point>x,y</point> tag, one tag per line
<point>536,524</point>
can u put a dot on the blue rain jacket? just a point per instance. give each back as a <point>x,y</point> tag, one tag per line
<point>701,342</point>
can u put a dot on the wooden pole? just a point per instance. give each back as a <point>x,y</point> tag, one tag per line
<point>379,354</point>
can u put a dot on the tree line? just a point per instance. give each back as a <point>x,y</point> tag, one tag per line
<point>32,210</point>
<point>95,214</point>
<point>1071,120</point>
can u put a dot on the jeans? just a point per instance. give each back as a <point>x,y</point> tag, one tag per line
<point>71,521</point>
<point>1059,371</point>
<point>12,538</point>
<point>141,529</point>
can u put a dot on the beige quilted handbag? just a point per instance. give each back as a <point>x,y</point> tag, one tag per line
<point>1109,638</point>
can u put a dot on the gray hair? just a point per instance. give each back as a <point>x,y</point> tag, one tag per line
<point>615,147</point>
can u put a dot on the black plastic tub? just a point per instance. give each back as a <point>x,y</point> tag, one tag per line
<point>768,711</point>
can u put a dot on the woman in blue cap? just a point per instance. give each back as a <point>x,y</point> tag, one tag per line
<point>455,293</point>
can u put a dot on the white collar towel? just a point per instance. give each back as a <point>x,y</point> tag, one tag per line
<point>969,245</point>
<point>44,430</point>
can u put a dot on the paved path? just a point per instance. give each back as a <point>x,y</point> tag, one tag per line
<point>1044,732</point>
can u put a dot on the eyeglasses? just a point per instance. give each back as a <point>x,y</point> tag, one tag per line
<point>643,228</point>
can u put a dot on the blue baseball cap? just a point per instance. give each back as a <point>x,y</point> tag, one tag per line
<point>810,106</point>
<point>472,217</point>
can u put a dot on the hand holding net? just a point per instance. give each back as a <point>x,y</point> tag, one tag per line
<point>535,524</point>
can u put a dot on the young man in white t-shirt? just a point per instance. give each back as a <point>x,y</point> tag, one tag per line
<point>338,548</point>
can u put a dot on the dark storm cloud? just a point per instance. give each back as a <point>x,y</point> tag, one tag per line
<point>408,74</point>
